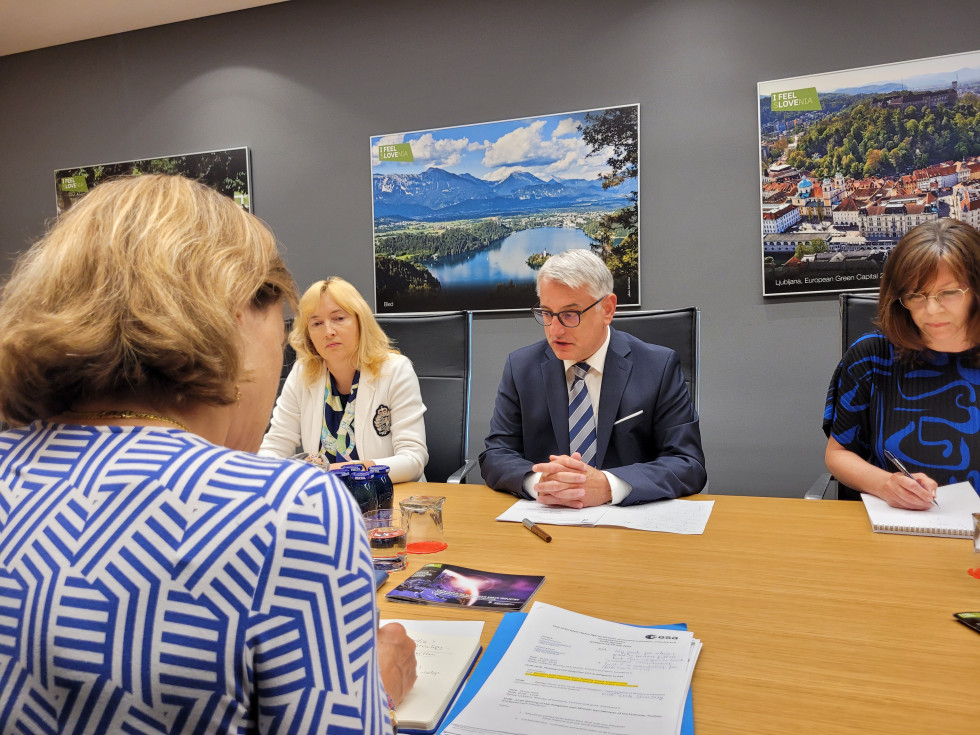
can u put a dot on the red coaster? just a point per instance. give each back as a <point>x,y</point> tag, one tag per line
<point>426,547</point>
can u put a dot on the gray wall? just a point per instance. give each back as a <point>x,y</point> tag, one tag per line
<point>305,83</point>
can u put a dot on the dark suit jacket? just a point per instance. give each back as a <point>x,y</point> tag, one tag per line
<point>658,452</point>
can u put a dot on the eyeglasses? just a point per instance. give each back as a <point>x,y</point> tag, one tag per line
<point>948,297</point>
<point>568,318</point>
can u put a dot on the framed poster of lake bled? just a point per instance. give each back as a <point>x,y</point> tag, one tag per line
<point>465,216</point>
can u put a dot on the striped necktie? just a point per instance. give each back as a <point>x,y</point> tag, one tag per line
<point>581,419</point>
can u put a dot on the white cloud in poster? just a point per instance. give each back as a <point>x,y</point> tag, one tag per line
<point>518,146</point>
<point>568,126</point>
<point>442,153</point>
<point>563,154</point>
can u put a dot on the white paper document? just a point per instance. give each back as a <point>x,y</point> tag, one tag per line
<point>570,673</point>
<point>666,516</point>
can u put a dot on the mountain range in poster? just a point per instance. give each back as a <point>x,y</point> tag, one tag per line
<point>435,194</point>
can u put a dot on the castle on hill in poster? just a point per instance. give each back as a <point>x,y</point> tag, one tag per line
<point>853,160</point>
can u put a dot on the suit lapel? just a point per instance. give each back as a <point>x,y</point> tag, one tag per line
<point>615,375</point>
<point>556,393</point>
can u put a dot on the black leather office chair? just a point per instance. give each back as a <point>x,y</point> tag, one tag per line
<point>858,312</point>
<point>439,347</point>
<point>678,329</point>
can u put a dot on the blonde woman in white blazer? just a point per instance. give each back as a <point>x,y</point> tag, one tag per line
<point>373,410</point>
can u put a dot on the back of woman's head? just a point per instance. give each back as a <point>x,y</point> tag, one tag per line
<point>134,291</point>
<point>912,267</point>
<point>373,345</point>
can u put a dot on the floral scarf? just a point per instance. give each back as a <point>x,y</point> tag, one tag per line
<point>337,431</point>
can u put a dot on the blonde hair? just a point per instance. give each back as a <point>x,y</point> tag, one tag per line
<point>373,345</point>
<point>134,291</point>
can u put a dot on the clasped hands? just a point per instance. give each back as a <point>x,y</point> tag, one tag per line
<point>567,480</point>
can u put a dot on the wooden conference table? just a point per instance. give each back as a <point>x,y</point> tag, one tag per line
<point>811,623</point>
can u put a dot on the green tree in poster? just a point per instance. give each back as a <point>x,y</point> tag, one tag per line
<point>816,245</point>
<point>616,129</point>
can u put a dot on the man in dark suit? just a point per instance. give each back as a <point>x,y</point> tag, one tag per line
<point>590,415</point>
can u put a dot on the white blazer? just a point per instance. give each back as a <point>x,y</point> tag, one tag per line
<point>388,419</point>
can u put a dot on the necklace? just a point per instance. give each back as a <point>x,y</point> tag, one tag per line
<point>124,415</point>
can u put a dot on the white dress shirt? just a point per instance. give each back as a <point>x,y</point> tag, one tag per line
<point>593,382</point>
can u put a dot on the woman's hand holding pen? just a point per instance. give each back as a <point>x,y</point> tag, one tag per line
<point>912,484</point>
<point>912,493</point>
<point>396,661</point>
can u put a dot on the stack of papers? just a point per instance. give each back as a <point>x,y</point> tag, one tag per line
<point>566,672</point>
<point>666,516</point>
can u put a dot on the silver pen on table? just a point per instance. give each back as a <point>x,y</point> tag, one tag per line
<point>901,468</point>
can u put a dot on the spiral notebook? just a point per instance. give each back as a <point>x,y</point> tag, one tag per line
<point>953,518</point>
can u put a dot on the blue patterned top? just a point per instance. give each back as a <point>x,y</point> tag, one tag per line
<point>926,413</point>
<point>152,582</point>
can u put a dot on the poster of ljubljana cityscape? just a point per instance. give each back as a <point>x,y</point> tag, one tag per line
<point>465,216</point>
<point>852,160</point>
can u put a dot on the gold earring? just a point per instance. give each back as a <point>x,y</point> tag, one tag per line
<point>238,393</point>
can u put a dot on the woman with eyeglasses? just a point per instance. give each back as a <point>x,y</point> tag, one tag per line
<point>351,396</point>
<point>910,389</point>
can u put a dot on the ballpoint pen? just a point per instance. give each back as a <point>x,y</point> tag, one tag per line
<point>894,460</point>
<point>536,530</point>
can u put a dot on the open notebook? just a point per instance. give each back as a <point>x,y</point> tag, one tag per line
<point>953,517</point>
<point>446,651</point>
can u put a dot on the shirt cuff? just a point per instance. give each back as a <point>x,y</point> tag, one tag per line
<point>530,480</point>
<point>618,487</point>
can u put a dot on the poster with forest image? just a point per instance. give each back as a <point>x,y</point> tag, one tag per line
<point>226,171</point>
<point>465,216</point>
<point>853,160</point>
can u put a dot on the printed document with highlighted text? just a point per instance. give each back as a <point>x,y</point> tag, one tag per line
<point>566,672</point>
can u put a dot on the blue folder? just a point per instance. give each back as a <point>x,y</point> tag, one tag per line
<point>509,625</point>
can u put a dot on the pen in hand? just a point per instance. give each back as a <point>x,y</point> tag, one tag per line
<point>536,530</point>
<point>901,468</point>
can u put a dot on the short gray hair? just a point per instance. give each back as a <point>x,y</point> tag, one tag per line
<point>577,269</point>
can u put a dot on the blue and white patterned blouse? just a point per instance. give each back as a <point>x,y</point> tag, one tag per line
<point>152,582</point>
<point>925,413</point>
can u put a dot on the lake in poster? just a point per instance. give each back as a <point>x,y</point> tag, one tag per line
<point>852,160</point>
<point>465,216</point>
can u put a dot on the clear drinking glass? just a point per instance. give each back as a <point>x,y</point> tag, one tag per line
<point>386,533</point>
<point>423,523</point>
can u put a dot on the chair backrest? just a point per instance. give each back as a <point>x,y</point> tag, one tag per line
<point>677,329</point>
<point>857,314</point>
<point>439,347</point>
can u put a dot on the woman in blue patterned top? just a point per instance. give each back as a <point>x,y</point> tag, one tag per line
<point>155,577</point>
<point>911,388</point>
